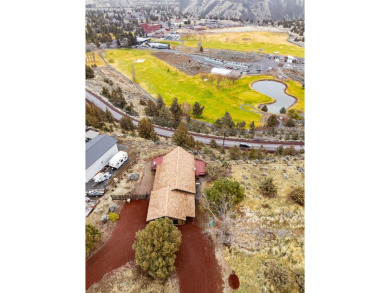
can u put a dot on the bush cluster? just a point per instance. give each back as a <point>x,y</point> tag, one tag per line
<point>268,187</point>
<point>298,195</point>
<point>92,236</point>
<point>113,217</point>
<point>278,276</point>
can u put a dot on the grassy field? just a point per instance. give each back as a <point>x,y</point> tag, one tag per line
<point>158,77</point>
<point>295,89</point>
<point>98,60</point>
<point>268,42</point>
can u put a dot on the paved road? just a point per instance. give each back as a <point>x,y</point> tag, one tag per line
<point>271,146</point>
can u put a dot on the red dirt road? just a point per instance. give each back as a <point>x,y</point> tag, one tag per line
<point>117,250</point>
<point>196,265</point>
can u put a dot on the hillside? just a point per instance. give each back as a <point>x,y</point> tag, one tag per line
<point>245,9</point>
<point>256,10</point>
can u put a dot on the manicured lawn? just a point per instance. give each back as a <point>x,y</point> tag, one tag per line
<point>269,42</point>
<point>158,77</point>
<point>295,89</point>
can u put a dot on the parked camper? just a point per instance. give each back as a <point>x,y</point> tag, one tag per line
<point>118,160</point>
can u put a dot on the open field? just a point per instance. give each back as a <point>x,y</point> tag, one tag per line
<point>266,42</point>
<point>158,77</point>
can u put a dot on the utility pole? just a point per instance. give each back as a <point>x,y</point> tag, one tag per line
<point>224,134</point>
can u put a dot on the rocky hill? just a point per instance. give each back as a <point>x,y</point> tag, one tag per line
<point>245,9</point>
<point>256,10</point>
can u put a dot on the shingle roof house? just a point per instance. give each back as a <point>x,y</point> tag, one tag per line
<point>174,188</point>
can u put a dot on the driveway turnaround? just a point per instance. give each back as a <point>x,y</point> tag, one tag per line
<point>117,250</point>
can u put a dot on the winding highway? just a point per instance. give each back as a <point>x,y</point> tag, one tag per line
<point>167,132</point>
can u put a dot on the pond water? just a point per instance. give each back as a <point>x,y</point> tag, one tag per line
<point>275,90</point>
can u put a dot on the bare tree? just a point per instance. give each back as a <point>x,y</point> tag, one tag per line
<point>133,72</point>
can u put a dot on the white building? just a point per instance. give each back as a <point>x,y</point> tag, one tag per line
<point>159,45</point>
<point>225,72</point>
<point>290,59</point>
<point>97,154</point>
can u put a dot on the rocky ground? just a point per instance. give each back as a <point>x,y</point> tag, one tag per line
<point>130,92</point>
<point>264,228</point>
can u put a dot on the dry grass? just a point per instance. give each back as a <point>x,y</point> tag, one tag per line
<point>130,279</point>
<point>266,42</point>
<point>267,228</point>
<point>98,60</point>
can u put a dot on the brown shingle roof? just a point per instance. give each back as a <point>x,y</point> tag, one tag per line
<point>176,171</point>
<point>173,192</point>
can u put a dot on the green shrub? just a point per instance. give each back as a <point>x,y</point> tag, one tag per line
<point>277,276</point>
<point>113,217</point>
<point>206,150</point>
<point>155,247</point>
<point>234,153</point>
<point>213,144</point>
<point>298,195</point>
<point>216,170</point>
<point>224,191</point>
<point>268,187</point>
<point>289,151</point>
<point>92,236</point>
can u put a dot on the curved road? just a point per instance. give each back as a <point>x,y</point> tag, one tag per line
<point>117,114</point>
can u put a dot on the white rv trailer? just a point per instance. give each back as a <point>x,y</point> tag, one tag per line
<point>118,160</point>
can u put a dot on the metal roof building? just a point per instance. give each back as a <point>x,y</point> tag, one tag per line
<point>98,152</point>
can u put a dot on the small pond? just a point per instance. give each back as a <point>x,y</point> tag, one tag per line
<point>275,90</point>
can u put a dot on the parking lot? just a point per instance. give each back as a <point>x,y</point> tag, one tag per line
<point>92,185</point>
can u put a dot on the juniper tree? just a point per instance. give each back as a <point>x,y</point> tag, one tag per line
<point>146,130</point>
<point>176,109</point>
<point>155,247</point>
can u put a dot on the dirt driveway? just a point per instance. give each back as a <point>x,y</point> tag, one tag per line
<point>117,250</point>
<point>196,265</point>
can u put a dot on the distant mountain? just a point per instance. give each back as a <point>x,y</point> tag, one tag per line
<point>228,9</point>
<point>245,9</point>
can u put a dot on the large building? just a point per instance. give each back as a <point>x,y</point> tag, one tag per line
<point>173,193</point>
<point>150,27</point>
<point>98,152</point>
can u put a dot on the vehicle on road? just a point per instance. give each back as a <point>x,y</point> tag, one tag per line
<point>245,145</point>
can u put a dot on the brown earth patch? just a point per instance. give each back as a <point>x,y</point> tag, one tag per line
<point>183,63</point>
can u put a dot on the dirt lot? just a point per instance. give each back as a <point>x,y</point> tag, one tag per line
<point>117,250</point>
<point>227,55</point>
<point>183,63</point>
